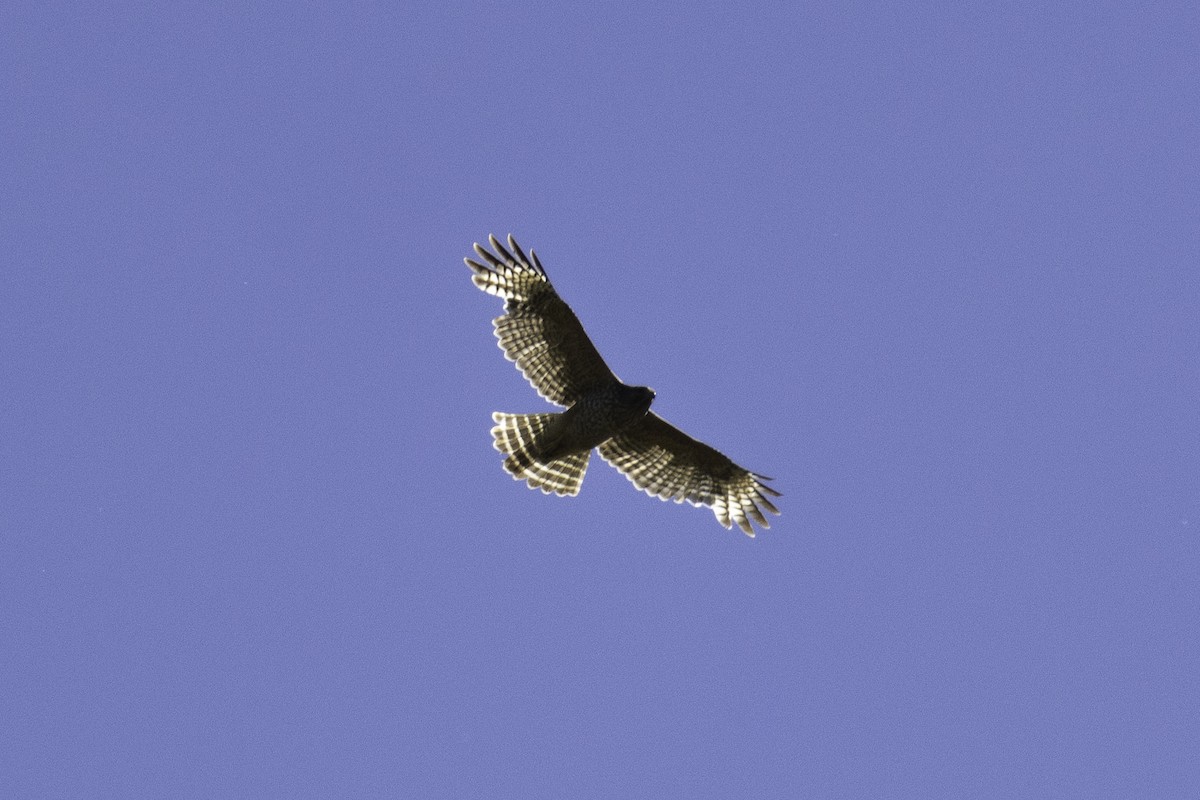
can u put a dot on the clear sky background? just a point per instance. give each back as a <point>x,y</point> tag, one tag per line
<point>934,268</point>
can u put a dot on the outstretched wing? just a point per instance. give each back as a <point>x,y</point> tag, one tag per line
<point>665,462</point>
<point>539,331</point>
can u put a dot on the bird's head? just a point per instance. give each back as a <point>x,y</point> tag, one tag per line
<point>639,397</point>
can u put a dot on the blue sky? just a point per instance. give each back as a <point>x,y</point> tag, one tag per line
<point>932,268</point>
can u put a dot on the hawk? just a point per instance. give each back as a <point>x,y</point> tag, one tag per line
<point>550,451</point>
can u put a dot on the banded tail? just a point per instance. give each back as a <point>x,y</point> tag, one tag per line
<point>524,437</point>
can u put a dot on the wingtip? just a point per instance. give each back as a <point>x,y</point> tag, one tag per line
<point>759,481</point>
<point>536,262</point>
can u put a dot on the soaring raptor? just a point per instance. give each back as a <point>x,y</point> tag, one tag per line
<point>550,451</point>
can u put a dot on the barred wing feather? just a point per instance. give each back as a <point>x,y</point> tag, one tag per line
<point>665,462</point>
<point>539,331</point>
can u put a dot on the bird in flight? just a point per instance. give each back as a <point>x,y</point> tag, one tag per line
<point>550,451</point>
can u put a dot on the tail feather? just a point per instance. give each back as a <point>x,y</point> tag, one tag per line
<point>524,437</point>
